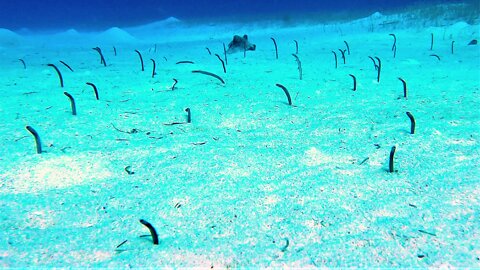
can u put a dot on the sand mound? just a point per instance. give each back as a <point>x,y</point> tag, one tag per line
<point>8,38</point>
<point>116,35</point>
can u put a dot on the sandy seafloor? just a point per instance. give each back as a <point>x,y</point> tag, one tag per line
<point>250,172</point>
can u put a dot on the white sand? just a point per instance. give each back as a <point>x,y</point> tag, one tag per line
<point>266,172</point>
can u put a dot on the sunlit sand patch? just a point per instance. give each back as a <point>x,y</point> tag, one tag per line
<point>347,172</point>
<point>314,225</point>
<point>377,159</point>
<point>234,171</point>
<point>236,123</point>
<point>269,200</point>
<point>4,255</point>
<point>41,219</point>
<point>314,157</point>
<point>347,207</point>
<point>267,203</point>
<point>199,261</point>
<point>321,132</point>
<point>462,158</point>
<point>459,198</point>
<point>382,213</point>
<point>461,142</point>
<point>267,188</point>
<point>362,227</point>
<point>95,256</point>
<point>223,233</point>
<point>53,173</point>
<point>86,224</point>
<point>178,202</point>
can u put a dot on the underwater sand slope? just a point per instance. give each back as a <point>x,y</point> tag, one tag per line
<point>252,181</point>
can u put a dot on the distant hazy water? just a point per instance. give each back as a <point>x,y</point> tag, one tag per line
<point>101,14</point>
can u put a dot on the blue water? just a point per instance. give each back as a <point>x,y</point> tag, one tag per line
<point>100,14</point>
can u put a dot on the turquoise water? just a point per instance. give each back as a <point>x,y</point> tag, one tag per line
<point>251,182</point>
